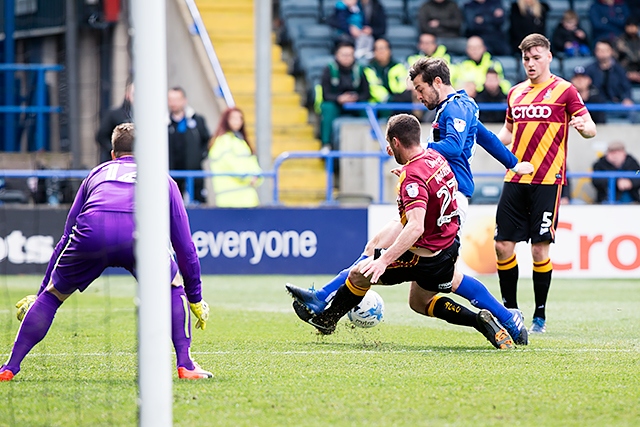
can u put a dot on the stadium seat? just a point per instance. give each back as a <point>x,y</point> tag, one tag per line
<point>556,67</point>
<point>402,35</point>
<point>306,55</point>
<point>318,35</point>
<point>401,53</point>
<point>511,67</point>
<point>487,193</point>
<point>315,65</point>
<point>292,28</point>
<point>412,11</point>
<point>455,45</point>
<point>394,9</point>
<point>635,94</point>
<point>569,64</point>
<point>300,9</point>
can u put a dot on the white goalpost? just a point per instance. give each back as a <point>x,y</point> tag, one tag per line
<point>152,213</point>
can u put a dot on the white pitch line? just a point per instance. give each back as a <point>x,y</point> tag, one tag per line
<point>339,352</point>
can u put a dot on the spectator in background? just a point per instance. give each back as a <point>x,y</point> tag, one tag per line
<point>484,18</point>
<point>616,159</point>
<point>628,47</point>
<point>475,67</point>
<point>387,77</point>
<point>607,19</point>
<point>588,92</point>
<point>188,141</point>
<point>440,17</point>
<point>348,20</point>
<point>609,76</point>
<point>343,81</point>
<point>428,47</point>
<point>375,18</point>
<point>116,116</point>
<point>492,93</point>
<point>569,40</point>
<point>231,152</point>
<point>527,17</point>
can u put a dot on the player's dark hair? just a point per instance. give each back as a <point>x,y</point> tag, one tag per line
<point>122,139</point>
<point>179,89</point>
<point>404,127</point>
<point>429,69</point>
<point>343,43</point>
<point>607,42</point>
<point>534,40</point>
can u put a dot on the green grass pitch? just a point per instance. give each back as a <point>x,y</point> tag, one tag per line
<point>270,369</point>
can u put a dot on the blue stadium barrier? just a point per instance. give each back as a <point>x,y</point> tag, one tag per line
<point>329,200</point>
<point>39,109</point>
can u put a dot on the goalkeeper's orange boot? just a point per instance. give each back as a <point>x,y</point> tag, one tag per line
<point>6,374</point>
<point>196,373</point>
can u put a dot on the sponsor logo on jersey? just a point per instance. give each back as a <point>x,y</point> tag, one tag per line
<point>444,286</point>
<point>459,124</point>
<point>532,112</point>
<point>412,190</point>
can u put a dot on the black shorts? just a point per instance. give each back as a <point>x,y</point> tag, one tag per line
<point>433,274</point>
<point>527,212</point>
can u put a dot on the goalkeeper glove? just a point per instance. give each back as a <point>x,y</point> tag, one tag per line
<point>201,311</point>
<point>23,305</point>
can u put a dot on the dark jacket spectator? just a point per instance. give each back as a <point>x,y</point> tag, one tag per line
<point>617,159</point>
<point>375,18</point>
<point>527,17</point>
<point>608,76</point>
<point>114,117</point>
<point>628,47</point>
<point>188,140</point>
<point>589,93</point>
<point>607,19</point>
<point>343,81</point>
<point>345,16</point>
<point>440,17</point>
<point>484,18</point>
<point>492,93</point>
<point>569,39</point>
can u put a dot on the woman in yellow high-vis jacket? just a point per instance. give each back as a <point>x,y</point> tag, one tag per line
<point>231,152</point>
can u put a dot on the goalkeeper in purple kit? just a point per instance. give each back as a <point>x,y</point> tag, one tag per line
<point>99,233</point>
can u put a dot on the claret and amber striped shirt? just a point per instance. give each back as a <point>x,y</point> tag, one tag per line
<point>540,114</point>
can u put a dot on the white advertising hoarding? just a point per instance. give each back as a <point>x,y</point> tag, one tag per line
<point>591,241</point>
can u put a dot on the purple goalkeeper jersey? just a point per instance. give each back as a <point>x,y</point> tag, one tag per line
<point>101,215</point>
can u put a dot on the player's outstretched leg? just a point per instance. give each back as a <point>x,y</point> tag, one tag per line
<point>494,333</point>
<point>35,325</point>
<point>307,298</point>
<point>347,297</point>
<point>473,290</point>
<point>451,312</point>
<point>316,300</point>
<point>181,336</point>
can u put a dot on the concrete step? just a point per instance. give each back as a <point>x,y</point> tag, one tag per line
<point>311,180</point>
<point>279,99</point>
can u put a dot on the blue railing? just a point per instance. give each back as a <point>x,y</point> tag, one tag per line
<point>39,109</point>
<point>405,106</point>
<point>191,175</point>
<point>201,30</point>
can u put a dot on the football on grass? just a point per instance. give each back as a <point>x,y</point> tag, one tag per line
<point>369,312</point>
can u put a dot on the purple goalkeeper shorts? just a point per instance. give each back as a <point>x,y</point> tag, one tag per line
<point>99,240</point>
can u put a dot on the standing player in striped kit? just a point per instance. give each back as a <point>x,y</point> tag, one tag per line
<point>539,113</point>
